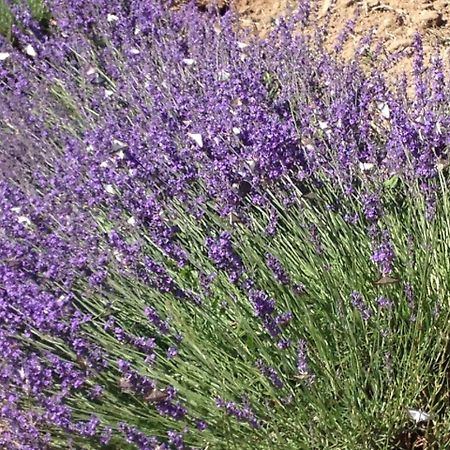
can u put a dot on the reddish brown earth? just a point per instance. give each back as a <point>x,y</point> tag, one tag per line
<point>393,22</point>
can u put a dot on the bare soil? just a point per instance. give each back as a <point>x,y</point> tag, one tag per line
<point>393,22</point>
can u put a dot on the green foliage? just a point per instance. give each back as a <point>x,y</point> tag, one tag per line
<point>272,85</point>
<point>38,11</point>
<point>6,20</point>
<point>367,372</point>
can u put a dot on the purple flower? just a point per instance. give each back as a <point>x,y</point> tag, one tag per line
<point>283,344</point>
<point>133,381</point>
<point>360,305</point>
<point>157,276</point>
<point>146,345</point>
<point>272,226</point>
<point>277,269</point>
<point>384,302</point>
<point>384,254</point>
<point>154,318</point>
<point>302,362</point>
<point>106,435</point>
<point>206,281</point>
<point>270,373</point>
<point>96,392</point>
<point>89,428</point>
<point>140,439</point>
<point>201,425</point>
<point>262,303</point>
<point>283,318</point>
<point>174,410</point>
<point>98,278</point>
<point>103,190</point>
<point>172,352</point>
<point>345,33</point>
<point>222,254</point>
<point>242,414</point>
<point>176,439</point>
<point>372,207</point>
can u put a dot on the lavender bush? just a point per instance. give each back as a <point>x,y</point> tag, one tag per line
<point>214,241</point>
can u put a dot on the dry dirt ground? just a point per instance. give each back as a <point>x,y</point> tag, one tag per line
<point>393,22</point>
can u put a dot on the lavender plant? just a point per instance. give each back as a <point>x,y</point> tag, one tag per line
<point>214,241</point>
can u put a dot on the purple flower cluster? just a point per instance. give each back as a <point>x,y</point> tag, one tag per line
<point>303,368</point>
<point>145,345</point>
<point>384,253</point>
<point>360,305</point>
<point>224,257</point>
<point>133,382</point>
<point>384,302</point>
<point>264,307</point>
<point>277,269</point>
<point>141,440</point>
<point>371,207</point>
<point>270,373</point>
<point>242,414</point>
<point>153,316</point>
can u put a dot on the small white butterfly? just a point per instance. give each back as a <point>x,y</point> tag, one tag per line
<point>118,145</point>
<point>384,110</point>
<point>24,220</point>
<point>188,61</point>
<point>197,138</point>
<point>4,55</point>
<point>418,415</point>
<point>117,255</point>
<point>365,167</point>
<point>109,189</point>
<point>441,164</point>
<point>223,75</point>
<point>323,125</point>
<point>251,163</point>
<point>30,51</point>
<point>112,18</point>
